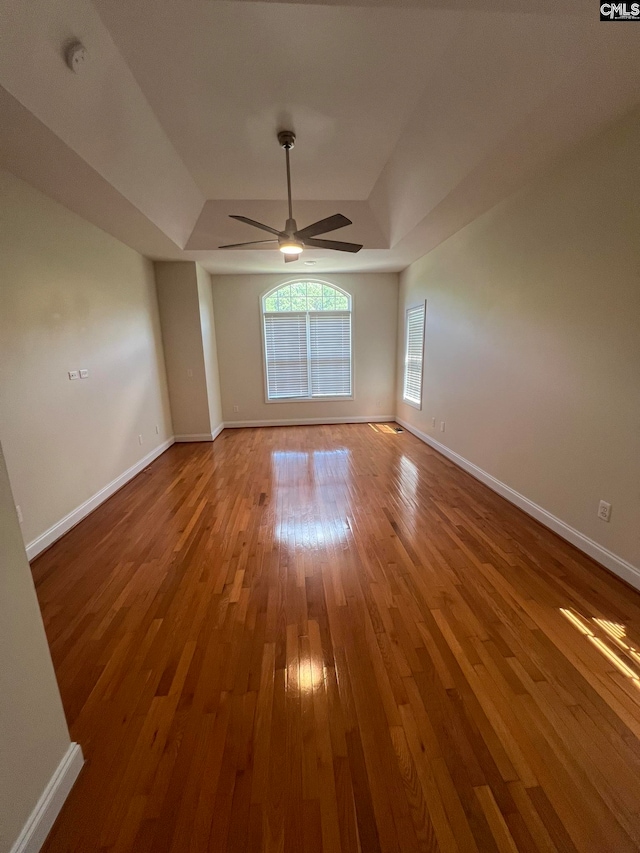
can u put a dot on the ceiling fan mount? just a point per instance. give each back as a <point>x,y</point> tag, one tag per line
<point>291,241</point>
<point>287,139</point>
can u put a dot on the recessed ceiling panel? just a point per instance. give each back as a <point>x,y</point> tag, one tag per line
<point>223,77</point>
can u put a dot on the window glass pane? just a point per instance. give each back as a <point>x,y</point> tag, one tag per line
<point>306,296</point>
<point>299,303</point>
<point>283,296</point>
<point>328,294</point>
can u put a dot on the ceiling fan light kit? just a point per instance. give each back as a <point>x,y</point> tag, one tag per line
<point>291,241</point>
<point>291,247</point>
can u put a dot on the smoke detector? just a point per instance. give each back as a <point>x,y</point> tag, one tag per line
<point>76,56</point>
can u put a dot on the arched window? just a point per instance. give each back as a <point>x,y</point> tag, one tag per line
<point>307,341</point>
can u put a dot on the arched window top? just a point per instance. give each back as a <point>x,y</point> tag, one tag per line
<point>305,296</point>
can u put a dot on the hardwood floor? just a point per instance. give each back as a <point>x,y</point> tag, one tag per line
<point>331,639</point>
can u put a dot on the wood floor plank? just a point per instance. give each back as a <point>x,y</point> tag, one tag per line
<point>332,640</point>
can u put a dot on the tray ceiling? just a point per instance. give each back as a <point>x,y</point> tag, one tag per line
<point>411,117</point>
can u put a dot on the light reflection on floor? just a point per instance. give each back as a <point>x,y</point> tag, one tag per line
<point>408,475</point>
<point>311,675</point>
<point>310,512</point>
<point>616,634</point>
<point>296,466</point>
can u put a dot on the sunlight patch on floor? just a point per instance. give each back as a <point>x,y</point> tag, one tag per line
<point>615,632</point>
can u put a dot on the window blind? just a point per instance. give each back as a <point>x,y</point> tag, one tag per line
<point>308,355</point>
<point>330,354</point>
<point>413,355</point>
<point>286,350</point>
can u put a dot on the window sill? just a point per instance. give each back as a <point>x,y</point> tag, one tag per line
<point>413,405</point>
<point>342,398</point>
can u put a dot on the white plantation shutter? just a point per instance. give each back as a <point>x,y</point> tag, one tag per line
<point>330,354</point>
<point>414,355</point>
<point>286,351</point>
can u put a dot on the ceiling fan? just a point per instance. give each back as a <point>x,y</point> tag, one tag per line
<point>292,242</point>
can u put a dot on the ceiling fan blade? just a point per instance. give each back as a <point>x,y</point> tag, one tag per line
<point>338,245</point>
<point>249,243</point>
<point>289,258</point>
<point>331,223</point>
<point>255,224</point>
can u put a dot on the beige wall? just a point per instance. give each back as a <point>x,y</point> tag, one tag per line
<point>532,352</point>
<point>33,732</point>
<point>188,333</point>
<point>73,297</point>
<point>236,300</point>
<point>180,317</point>
<point>209,347</point>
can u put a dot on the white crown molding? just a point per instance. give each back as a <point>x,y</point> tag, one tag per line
<point>42,818</point>
<point>37,545</point>
<point>358,419</point>
<point>611,561</point>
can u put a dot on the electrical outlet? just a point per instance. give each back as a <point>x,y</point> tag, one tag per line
<point>189,373</point>
<point>441,426</point>
<point>236,408</point>
<point>604,511</point>
<point>84,374</point>
<point>74,374</point>
<point>433,422</point>
<point>140,439</point>
<point>19,511</point>
<point>157,430</point>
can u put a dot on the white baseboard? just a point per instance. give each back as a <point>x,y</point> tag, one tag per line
<point>200,436</point>
<point>599,553</point>
<point>358,419</point>
<point>65,524</point>
<point>42,818</point>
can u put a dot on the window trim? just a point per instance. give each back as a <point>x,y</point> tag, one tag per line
<point>409,308</point>
<point>263,313</point>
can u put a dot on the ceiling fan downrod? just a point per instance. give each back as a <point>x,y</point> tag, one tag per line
<point>292,242</point>
<point>287,140</point>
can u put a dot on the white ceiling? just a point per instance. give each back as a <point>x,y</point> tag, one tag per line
<point>222,77</point>
<point>412,117</point>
